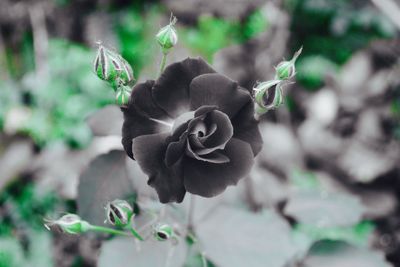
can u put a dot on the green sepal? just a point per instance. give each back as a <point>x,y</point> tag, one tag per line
<point>122,95</point>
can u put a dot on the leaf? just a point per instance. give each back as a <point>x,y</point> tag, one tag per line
<point>104,180</point>
<point>124,252</point>
<point>357,235</point>
<point>237,238</point>
<point>324,209</point>
<point>333,254</point>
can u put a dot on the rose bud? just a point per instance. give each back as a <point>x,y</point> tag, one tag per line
<point>110,66</point>
<point>119,213</point>
<point>163,232</point>
<point>268,95</point>
<point>286,69</point>
<point>122,95</point>
<point>70,223</point>
<point>167,37</point>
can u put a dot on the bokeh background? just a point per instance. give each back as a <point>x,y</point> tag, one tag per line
<point>325,190</point>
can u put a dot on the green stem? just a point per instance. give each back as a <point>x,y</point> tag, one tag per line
<point>204,260</point>
<point>136,234</point>
<point>108,230</point>
<point>163,61</point>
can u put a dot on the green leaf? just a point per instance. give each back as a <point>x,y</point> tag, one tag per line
<point>104,180</point>
<point>333,254</point>
<point>237,238</point>
<point>357,235</point>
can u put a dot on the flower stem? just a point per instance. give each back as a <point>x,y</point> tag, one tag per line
<point>191,213</point>
<point>204,260</point>
<point>163,61</point>
<point>108,230</point>
<point>135,233</point>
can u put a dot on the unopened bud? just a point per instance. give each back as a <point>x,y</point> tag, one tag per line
<point>163,232</point>
<point>286,69</point>
<point>167,37</point>
<point>122,95</point>
<point>268,95</point>
<point>119,213</point>
<point>69,223</point>
<point>111,67</point>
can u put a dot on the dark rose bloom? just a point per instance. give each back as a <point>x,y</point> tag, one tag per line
<point>212,138</point>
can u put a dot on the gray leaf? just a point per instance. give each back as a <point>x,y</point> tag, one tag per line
<point>104,180</point>
<point>124,252</point>
<point>324,209</point>
<point>237,238</point>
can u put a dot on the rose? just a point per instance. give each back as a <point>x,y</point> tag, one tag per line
<point>191,130</point>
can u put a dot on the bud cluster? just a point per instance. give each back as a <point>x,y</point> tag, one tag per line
<point>111,67</point>
<point>114,69</point>
<point>268,95</point>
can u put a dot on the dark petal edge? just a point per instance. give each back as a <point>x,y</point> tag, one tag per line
<point>171,90</point>
<point>245,128</point>
<point>149,151</point>
<point>208,179</point>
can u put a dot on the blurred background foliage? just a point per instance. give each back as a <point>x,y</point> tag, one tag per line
<point>327,188</point>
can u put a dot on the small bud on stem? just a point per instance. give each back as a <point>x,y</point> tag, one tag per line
<point>286,69</point>
<point>119,213</point>
<point>167,38</point>
<point>268,95</point>
<point>163,232</point>
<point>70,224</point>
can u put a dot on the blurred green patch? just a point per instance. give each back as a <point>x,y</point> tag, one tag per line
<point>212,34</point>
<point>312,70</point>
<point>331,31</point>
<point>357,235</point>
<point>24,242</point>
<point>54,108</point>
<point>136,29</point>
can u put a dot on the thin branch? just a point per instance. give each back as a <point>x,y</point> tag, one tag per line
<point>40,39</point>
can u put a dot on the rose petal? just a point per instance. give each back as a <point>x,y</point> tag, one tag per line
<point>135,124</point>
<point>171,91</point>
<point>175,151</point>
<point>222,133</point>
<point>141,98</point>
<point>216,89</point>
<point>204,110</point>
<point>213,156</point>
<point>245,128</point>
<point>149,151</point>
<point>209,179</point>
